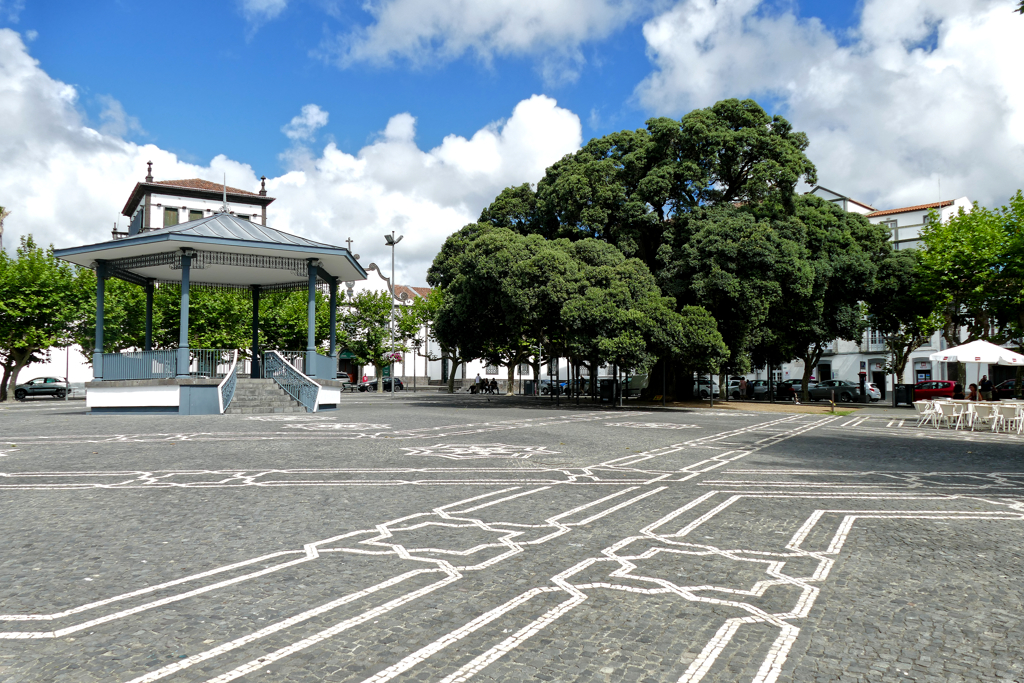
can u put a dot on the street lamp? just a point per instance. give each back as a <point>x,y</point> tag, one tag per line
<point>390,241</point>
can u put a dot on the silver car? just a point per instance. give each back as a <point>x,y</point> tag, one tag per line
<point>41,386</point>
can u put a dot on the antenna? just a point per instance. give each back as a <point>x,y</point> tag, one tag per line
<point>224,207</point>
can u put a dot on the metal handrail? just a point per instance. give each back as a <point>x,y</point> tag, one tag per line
<point>299,386</point>
<point>226,389</point>
<point>139,365</point>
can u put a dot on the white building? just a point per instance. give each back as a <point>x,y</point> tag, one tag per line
<point>845,359</point>
<point>161,204</point>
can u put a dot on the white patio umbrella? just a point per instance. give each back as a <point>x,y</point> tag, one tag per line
<point>979,352</point>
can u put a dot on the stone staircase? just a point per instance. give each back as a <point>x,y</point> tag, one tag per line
<point>260,397</point>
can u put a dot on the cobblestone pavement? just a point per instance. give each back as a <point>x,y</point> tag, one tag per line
<point>436,538</point>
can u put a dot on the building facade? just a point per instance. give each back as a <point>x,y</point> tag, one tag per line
<point>846,359</point>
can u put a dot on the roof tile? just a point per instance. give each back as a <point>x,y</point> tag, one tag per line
<point>907,209</point>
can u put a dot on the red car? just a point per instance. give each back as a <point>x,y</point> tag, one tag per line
<point>933,388</point>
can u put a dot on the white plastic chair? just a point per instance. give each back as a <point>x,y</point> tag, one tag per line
<point>926,412</point>
<point>1006,416</point>
<point>950,413</point>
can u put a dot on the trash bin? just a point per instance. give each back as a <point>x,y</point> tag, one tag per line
<point>528,387</point>
<point>905,394</point>
<point>608,392</point>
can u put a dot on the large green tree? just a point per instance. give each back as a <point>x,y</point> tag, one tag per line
<point>583,300</point>
<point>625,187</point>
<point>38,305</point>
<point>901,309</point>
<point>364,330</point>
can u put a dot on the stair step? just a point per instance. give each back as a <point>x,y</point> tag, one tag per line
<point>261,396</point>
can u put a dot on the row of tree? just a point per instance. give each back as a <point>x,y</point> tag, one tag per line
<point>683,247</point>
<point>682,242</point>
<point>47,303</point>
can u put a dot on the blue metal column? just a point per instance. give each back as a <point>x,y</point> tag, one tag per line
<point>183,359</point>
<point>334,322</point>
<point>311,320</point>
<point>255,332</point>
<point>97,353</point>
<point>149,317</point>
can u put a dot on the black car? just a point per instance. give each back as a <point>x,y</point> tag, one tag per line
<point>386,382</point>
<point>41,386</point>
<point>1004,389</point>
<point>792,389</point>
<point>843,390</point>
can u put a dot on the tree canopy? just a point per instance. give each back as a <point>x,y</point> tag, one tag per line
<point>505,292</point>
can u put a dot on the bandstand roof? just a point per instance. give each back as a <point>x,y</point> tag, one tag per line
<point>229,251</point>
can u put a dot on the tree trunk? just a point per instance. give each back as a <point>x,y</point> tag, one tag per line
<point>21,358</point>
<point>510,389</point>
<point>380,380</point>
<point>451,375</point>
<point>961,374</point>
<point>8,365</point>
<point>810,362</point>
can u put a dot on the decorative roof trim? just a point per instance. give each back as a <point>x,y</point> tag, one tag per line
<point>166,187</point>
<point>907,209</point>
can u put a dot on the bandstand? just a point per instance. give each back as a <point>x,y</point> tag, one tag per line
<point>218,251</point>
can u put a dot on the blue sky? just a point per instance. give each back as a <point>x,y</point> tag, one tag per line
<point>411,115</point>
<point>203,80</point>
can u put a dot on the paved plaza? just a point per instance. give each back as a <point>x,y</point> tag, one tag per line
<point>465,538</point>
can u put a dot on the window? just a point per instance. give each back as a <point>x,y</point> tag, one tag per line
<point>194,215</point>
<point>491,370</point>
<point>524,369</point>
<point>170,217</point>
<point>243,217</point>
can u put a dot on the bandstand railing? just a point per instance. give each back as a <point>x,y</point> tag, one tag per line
<point>163,364</point>
<point>298,385</point>
<point>226,389</point>
<point>140,365</point>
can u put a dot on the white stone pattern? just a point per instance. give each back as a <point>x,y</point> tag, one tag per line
<point>650,425</point>
<point>317,424</point>
<point>621,470</point>
<point>817,527</point>
<point>479,451</point>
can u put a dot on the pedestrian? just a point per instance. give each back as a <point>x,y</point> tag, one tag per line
<point>494,386</point>
<point>985,386</point>
<point>750,391</point>
<point>478,383</point>
<point>958,392</point>
<point>743,387</point>
<point>972,395</point>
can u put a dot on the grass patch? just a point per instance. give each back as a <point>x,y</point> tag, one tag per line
<point>844,413</point>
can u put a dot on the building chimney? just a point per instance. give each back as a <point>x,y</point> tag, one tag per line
<point>263,186</point>
<point>149,176</point>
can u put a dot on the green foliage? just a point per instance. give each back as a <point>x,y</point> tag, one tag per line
<point>840,251</point>
<point>38,304</point>
<point>364,330</point>
<point>900,310</point>
<point>622,188</point>
<point>505,292</point>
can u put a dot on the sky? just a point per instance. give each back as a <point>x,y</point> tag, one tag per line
<point>411,115</point>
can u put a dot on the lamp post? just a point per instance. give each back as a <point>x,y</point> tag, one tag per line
<point>391,241</point>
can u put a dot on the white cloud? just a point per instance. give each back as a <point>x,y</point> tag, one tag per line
<point>115,120</point>
<point>305,125</point>
<point>66,182</point>
<point>925,89</point>
<point>259,11</point>
<point>429,32</point>
<point>10,10</point>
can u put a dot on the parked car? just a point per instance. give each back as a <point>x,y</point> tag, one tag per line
<point>845,391</point>
<point>760,388</point>
<point>933,388</point>
<point>792,389</point>
<point>386,382</point>
<point>1004,389</point>
<point>874,392</point>
<point>41,386</point>
<point>700,387</point>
